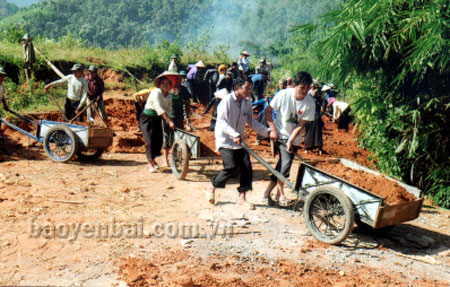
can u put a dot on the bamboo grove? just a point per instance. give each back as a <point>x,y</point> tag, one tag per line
<point>392,58</point>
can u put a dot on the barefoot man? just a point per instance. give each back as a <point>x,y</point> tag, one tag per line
<point>233,112</point>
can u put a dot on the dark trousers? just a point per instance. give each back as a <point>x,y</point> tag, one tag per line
<point>284,161</point>
<point>151,128</point>
<point>194,90</point>
<point>232,160</point>
<point>139,110</point>
<point>344,119</point>
<point>69,109</point>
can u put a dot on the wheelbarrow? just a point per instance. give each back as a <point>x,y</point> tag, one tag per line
<point>186,146</point>
<point>332,205</point>
<point>62,141</point>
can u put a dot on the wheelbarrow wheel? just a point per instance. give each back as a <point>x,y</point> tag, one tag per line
<point>89,154</point>
<point>180,159</point>
<point>60,143</point>
<point>329,215</point>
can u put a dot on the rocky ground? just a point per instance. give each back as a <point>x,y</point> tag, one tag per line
<point>111,223</point>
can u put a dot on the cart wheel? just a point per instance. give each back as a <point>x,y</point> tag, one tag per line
<point>89,154</point>
<point>180,159</point>
<point>329,215</point>
<point>60,143</point>
<point>366,228</point>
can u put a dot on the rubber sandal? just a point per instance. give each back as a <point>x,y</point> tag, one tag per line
<point>284,202</point>
<point>210,196</point>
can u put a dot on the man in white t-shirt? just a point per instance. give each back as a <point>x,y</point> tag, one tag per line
<point>294,108</point>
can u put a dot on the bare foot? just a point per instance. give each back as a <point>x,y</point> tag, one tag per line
<point>246,204</point>
<point>210,194</point>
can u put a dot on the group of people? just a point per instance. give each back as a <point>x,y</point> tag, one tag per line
<point>295,109</point>
<point>82,90</point>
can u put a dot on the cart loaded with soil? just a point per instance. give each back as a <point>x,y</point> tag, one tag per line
<point>331,201</point>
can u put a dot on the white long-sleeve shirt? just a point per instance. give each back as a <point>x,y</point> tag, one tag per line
<point>76,88</point>
<point>231,119</point>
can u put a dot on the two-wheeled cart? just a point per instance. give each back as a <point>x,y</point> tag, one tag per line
<point>332,205</point>
<point>186,146</point>
<point>62,141</point>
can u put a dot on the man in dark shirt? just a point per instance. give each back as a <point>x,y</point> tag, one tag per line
<point>180,104</point>
<point>259,84</point>
<point>96,87</point>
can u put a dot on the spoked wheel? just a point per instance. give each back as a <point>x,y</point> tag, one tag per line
<point>60,144</point>
<point>329,215</point>
<point>89,154</point>
<point>180,159</point>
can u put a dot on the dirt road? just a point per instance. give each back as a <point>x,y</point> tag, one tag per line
<point>114,224</point>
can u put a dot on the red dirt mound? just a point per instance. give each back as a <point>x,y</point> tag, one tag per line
<point>392,192</point>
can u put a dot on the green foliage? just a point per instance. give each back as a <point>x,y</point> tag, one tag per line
<point>258,26</point>
<point>393,58</point>
<point>12,33</point>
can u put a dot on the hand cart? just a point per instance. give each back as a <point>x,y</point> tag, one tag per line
<point>332,205</point>
<point>62,141</point>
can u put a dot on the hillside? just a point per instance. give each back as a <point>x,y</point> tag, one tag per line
<point>258,26</point>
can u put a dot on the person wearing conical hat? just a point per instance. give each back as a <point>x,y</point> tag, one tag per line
<point>76,91</point>
<point>191,77</point>
<point>173,64</point>
<point>158,108</point>
<point>244,63</point>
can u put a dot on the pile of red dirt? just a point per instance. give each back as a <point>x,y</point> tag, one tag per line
<point>392,192</point>
<point>122,119</point>
<point>179,268</point>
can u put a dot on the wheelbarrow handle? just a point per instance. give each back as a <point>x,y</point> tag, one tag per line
<point>275,172</point>
<point>295,154</point>
<point>22,117</point>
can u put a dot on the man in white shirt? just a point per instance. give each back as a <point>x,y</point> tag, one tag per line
<point>341,112</point>
<point>173,65</point>
<point>233,112</point>
<point>76,91</point>
<point>294,108</point>
<point>244,63</point>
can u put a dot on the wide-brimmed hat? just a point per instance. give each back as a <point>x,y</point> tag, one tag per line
<point>221,93</point>
<point>327,87</point>
<point>222,67</point>
<point>245,53</point>
<point>262,60</point>
<point>183,73</point>
<point>77,67</point>
<point>200,64</point>
<point>2,71</point>
<point>174,78</point>
<point>92,68</point>
<point>174,57</point>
